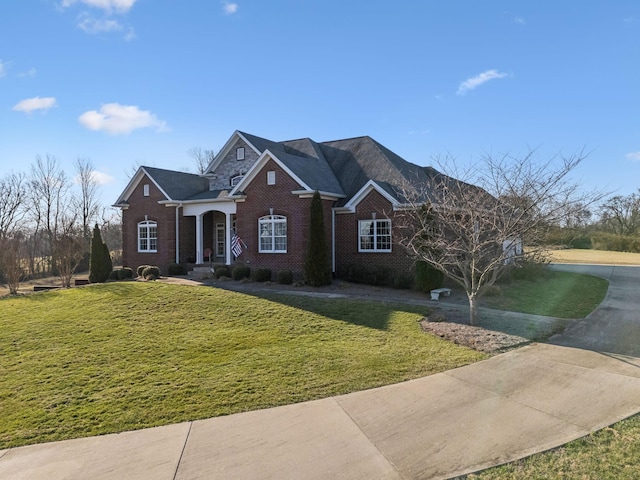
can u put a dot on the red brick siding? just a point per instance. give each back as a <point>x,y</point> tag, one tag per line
<point>139,206</point>
<point>260,198</point>
<point>347,252</point>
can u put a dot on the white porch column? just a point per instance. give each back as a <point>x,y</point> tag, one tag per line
<point>227,241</point>
<point>199,255</point>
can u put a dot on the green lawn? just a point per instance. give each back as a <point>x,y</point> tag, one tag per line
<point>122,356</point>
<point>557,294</point>
<point>612,453</point>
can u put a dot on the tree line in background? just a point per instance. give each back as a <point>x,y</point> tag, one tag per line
<point>46,221</point>
<point>613,224</point>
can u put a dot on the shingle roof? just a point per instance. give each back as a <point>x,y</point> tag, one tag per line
<point>342,167</point>
<point>178,185</point>
<point>355,161</point>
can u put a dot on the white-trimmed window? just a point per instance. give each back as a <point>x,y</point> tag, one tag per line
<point>220,239</point>
<point>240,153</point>
<point>273,234</point>
<point>374,235</point>
<point>148,236</point>
<point>271,177</point>
<point>235,180</point>
<point>145,190</point>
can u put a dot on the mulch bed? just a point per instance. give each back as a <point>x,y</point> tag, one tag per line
<point>453,326</point>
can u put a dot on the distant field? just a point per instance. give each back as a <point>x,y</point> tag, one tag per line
<point>599,257</point>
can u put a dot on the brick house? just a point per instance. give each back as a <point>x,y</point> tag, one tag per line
<point>261,191</point>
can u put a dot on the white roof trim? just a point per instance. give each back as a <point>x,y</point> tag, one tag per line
<point>226,149</point>
<point>134,182</point>
<point>257,166</point>
<point>323,195</point>
<point>364,191</point>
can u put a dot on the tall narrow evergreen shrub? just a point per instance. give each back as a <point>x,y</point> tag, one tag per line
<point>100,265</point>
<point>317,266</point>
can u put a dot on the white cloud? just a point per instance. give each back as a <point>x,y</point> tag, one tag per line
<point>120,6</point>
<point>230,8</point>
<point>28,105</point>
<point>633,156</point>
<point>100,178</point>
<point>3,69</point>
<point>474,82</point>
<point>29,73</point>
<point>519,20</point>
<point>89,24</point>
<point>120,119</point>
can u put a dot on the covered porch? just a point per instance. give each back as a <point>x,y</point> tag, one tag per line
<point>208,239</point>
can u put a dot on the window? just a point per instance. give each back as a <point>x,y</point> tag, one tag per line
<point>220,239</point>
<point>145,190</point>
<point>374,235</point>
<point>240,153</point>
<point>235,180</point>
<point>147,236</point>
<point>273,234</point>
<point>271,178</point>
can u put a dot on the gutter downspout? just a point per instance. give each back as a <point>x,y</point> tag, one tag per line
<point>178,233</point>
<point>333,240</point>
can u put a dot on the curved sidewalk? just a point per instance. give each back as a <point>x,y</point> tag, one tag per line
<point>444,425</point>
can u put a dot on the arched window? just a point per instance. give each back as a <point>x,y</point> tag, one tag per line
<point>235,180</point>
<point>148,236</point>
<point>272,230</point>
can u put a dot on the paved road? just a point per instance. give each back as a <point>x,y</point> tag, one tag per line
<point>456,422</point>
<point>615,326</point>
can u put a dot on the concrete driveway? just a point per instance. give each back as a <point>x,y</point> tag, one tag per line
<point>491,412</point>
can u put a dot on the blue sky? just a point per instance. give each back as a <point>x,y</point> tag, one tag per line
<point>130,82</point>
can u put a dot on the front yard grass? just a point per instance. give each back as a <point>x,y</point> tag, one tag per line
<point>556,294</point>
<point>610,453</point>
<point>122,356</point>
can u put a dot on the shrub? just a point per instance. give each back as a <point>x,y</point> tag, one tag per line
<point>221,272</point>
<point>175,269</point>
<point>403,282</point>
<point>263,275</point>
<point>125,273</point>
<point>100,265</point>
<point>317,264</point>
<point>140,269</point>
<point>493,291</point>
<point>531,269</point>
<point>377,275</point>
<point>583,242</point>
<point>114,275</point>
<point>240,272</point>
<point>427,277</point>
<point>285,277</point>
<point>151,272</point>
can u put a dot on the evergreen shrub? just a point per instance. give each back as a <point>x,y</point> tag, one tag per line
<point>263,275</point>
<point>241,271</point>
<point>221,272</point>
<point>427,277</point>
<point>176,269</point>
<point>285,277</point>
<point>151,272</point>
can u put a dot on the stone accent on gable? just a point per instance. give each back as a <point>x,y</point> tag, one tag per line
<point>229,167</point>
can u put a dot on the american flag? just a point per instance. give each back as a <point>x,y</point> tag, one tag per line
<point>236,245</point>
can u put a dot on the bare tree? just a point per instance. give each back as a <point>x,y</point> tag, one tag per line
<point>12,214</point>
<point>202,158</point>
<point>621,214</point>
<point>87,203</point>
<point>67,250</point>
<point>50,200</point>
<point>473,227</point>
